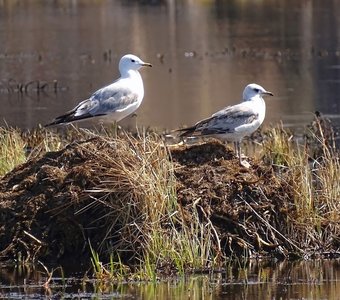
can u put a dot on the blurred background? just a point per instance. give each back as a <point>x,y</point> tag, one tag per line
<point>54,53</point>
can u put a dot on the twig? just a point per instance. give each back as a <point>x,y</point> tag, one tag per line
<point>33,237</point>
<point>49,274</point>
<point>266,222</point>
<point>212,227</point>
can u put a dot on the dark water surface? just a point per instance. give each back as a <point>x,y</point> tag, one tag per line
<point>265,281</point>
<point>203,52</point>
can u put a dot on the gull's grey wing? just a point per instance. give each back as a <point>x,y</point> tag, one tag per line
<point>104,101</point>
<point>227,120</point>
<point>192,130</point>
<point>71,116</point>
<point>109,100</point>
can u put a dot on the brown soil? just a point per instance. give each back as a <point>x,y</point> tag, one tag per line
<point>43,215</point>
<point>239,202</point>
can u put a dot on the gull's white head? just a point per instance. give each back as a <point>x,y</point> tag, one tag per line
<point>252,90</point>
<point>131,62</point>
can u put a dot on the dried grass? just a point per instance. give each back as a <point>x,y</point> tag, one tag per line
<point>136,185</point>
<point>138,203</point>
<point>314,215</point>
<point>11,150</point>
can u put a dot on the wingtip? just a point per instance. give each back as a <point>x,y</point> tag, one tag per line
<point>53,123</point>
<point>48,125</point>
<point>185,132</point>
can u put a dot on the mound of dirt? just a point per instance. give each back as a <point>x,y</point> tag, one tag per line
<point>244,205</point>
<point>39,200</point>
<point>48,211</point>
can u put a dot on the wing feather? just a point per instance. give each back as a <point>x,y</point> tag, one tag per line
<point>227,120</point>
<point>104,101</point>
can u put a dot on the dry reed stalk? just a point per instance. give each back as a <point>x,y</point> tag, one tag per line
<point>136,186</point>
<point>11,149</point>
<point>315,211</point>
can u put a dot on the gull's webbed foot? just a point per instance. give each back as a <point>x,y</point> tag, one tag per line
<point>245,164</point>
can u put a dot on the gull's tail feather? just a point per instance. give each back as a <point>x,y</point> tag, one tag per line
<point>188,131</point>
<point>68,118</point>
<point>196,129</point>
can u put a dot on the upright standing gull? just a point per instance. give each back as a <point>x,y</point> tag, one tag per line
<point>116,100</point>
<point>233,123</point>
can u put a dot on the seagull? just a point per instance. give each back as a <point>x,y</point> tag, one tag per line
<point>116,100</point>
<point>233,123</point>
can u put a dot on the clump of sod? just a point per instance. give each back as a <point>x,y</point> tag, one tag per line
<point>146,208</point>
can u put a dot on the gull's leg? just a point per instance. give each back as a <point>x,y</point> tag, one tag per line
<point>134,116</point>
<point>115,129</point>
<point>239,152</point>
<point>236,148</point>
<point>243,163</point>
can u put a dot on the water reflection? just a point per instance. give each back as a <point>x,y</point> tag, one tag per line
<point>203,52</point>
<point>318,279</point>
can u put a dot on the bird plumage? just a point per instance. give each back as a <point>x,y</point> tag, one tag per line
<point>232,123</point>
<point>117,100</point>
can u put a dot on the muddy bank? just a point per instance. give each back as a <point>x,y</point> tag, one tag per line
<point>105,191</point>
<point>240,202</point>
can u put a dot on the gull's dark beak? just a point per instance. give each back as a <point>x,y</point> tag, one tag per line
<point>146,64</point>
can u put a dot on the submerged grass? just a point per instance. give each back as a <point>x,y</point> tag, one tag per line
<point>148,232</point>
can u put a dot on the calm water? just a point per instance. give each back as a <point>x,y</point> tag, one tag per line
<point>203,52</point>
<point>265,281</point>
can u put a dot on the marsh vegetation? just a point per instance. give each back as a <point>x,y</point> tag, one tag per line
<point>140,208</point>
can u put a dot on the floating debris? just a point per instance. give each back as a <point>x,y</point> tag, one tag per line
<point>13,86</point>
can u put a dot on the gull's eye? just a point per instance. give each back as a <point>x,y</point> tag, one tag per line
<point>132,60</point>
<point>256,90</point>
